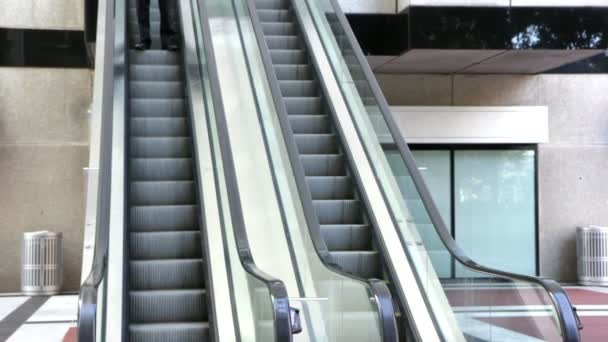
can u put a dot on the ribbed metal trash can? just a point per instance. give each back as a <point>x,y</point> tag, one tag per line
<point>41,263</point>
<point>592,255</point>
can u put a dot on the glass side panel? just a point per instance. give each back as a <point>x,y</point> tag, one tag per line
<point>495,209</point>
<point>474,308</point>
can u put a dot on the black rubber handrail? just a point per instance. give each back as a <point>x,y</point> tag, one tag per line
<point>278,290</point>
<point>378,289</point>
<point>91,8</point>
<point>87,308</point>
<point>569,321</point>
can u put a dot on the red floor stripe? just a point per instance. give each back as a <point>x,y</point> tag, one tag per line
<point>71,335</point>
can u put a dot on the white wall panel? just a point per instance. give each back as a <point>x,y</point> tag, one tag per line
<point>491,125</point>
<point>368,6</point>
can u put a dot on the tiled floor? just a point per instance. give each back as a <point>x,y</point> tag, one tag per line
<point>53,319</point>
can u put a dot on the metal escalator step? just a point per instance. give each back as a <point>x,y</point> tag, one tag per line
<point>162,192</point>
<point>299,88</point>
<point>310,124</point>
<point>347,237</point>
<point>151,306</point>
<point>269,15</point>
<point>279,28</point>
<point>331,187</point>
<point>338,211</point>
<point>155,72</point>
<point>165,245</point>
<point>159,127</point>
<point>163,57</point>
<point>157,107</point>
<point>283,42</point>
<point>303,105</point>
<point>159,147</point>
<point>365,264</point>
<point>323,165</point>
<point>156,89</point>
<point>316,143</point>
<point>293,72</point>
<point>166,274</point>
<point>272,4</point>
<point>149,169</point>
<point>163,218</point>
<point>288,57</point>
<point>169,332</point>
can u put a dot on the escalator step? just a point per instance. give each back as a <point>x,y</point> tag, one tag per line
<point>310,124</point>
<point>345,237</point>
<point>163,218</point>
<point>157,107</point>
<point>322,188</point>
<point>272,4</point>
<point>283,42</point>
<point>267,15</point>
<point>323,165</point>
<point>303,105</point>
<point>148,169</point>
<point>365,264</point>
<point>166,274</point>
<point>338,211</point>
<point>163,57</point>
<point>169,332</point>
<point>165,245</point>
<point>293,72</point>
<point>152,306</point>
<point>299,88</point>
<point>155,73</point>
<point>288,56</point>
<point>159,127</point>
<point>157,147</point>
<point>156,89</point>
<point>316,143</point>
<point>162,193</point>
<point>279,28</point>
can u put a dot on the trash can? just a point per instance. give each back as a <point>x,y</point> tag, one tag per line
<point>41,263</point>
<point>592,255</point>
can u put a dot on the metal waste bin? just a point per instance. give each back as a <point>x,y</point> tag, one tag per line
<point>592,255</point>
<point>41,263</point>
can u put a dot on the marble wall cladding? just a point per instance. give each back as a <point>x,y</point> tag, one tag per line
<point>572,166</point>
<point>43,149</point>
<point>42,14</point>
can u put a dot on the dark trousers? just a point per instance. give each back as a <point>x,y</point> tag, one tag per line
<point>168,21</point>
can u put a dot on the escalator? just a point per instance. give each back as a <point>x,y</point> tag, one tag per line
<point>335,121</point>
<point>165,266</point>
<point>343,220</point>
<point>167,296</point>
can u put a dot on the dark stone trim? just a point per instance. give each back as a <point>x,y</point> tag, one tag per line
<point>42,48</point>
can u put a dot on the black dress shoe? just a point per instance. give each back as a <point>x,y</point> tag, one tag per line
<point>143,45</point>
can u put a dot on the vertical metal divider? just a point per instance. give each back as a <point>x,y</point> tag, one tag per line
<point>282,313</point>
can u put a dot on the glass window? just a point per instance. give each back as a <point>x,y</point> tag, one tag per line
<point>494,200</point>
<point>493,195</point>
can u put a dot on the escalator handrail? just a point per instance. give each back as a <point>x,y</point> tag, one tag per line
<point>378,289</point>
<point>569,320</point>
<point>88,296</point>
<point>276,287</point>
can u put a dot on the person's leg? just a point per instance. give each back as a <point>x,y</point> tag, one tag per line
<point>168,24</point>
<point>143,20</point>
